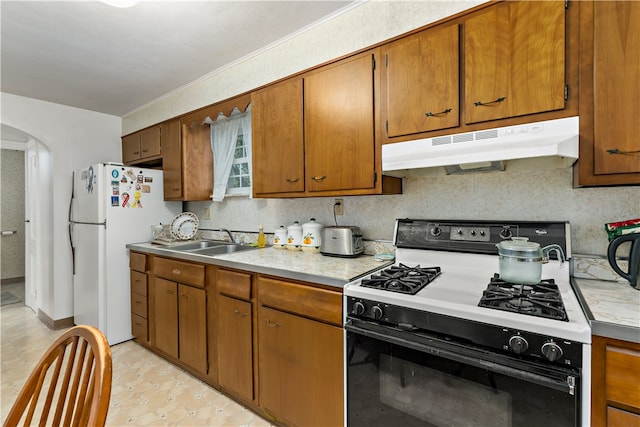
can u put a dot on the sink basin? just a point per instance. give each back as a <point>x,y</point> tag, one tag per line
<point>221,249</point>
<point>200,245</point>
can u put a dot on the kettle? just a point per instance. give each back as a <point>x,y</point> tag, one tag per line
<point>633,273</point>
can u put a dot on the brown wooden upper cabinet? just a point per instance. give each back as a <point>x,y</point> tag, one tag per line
<point>420,82</point>
<point>514,60</point>
<point>315,134</point>
<point>610,90</point>
<point>142,146</point>
<point>278,138</point>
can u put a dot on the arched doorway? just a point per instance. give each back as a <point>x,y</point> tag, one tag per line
<point>38,211</point>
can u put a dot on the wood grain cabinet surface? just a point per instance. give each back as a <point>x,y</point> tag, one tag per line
<point>301,353</point>
<point>514,60</point>
<point>420,82</point>
<point>139,296</point>
<point>142,146</point>
<point>615,396</point>
<point>609,93</point>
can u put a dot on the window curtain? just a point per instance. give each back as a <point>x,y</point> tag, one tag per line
<point>224,135</point>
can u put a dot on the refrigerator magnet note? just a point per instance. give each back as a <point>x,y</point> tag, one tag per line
<point>90,180</point>
<point>125,200</point>
<point>136,201</point>
<point>115,200</point>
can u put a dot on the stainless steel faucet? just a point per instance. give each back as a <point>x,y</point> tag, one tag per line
<point>229,233</point>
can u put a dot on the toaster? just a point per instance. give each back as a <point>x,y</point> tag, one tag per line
<point>342,241</point>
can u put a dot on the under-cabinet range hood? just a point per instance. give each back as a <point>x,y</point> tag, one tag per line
<point>475,150</point>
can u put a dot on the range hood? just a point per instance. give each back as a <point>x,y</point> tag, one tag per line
<point>553,138</point>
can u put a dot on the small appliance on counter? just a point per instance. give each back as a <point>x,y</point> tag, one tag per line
<point>620,233</point>
<point>342,241</point>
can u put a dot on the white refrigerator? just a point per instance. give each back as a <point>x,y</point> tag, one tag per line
<point>111,205</point>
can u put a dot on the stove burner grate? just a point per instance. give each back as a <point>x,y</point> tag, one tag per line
<point>402,279</point>
<point>542,299</point>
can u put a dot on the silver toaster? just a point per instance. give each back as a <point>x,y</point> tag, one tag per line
<point>342,241</point>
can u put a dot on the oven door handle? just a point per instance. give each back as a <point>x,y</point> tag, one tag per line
<point>464,354</point>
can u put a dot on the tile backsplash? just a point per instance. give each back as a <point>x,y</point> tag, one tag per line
<point>518,193</point>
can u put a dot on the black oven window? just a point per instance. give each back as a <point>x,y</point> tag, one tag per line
<point>389,385</point>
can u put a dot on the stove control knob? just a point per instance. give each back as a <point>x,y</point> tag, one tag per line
<point>518,344</point>
<point>551,351</point>
<point>358,308</point>
<point>436,231</point>
<point>505,233</point>
<point>377,312</point>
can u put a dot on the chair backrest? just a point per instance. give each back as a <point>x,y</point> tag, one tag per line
<point>70,385</point>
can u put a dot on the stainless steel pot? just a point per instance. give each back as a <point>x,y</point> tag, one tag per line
<point>521,261</point>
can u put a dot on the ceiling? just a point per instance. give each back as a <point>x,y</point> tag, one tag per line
<point>113,60</point>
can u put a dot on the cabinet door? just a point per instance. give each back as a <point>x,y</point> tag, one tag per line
<point>235,355</point>
<point>339,125</point>
<point>278,142</point>
<point>301,369</point>
<point>150,145</point>
<point>166,316</point>
<point>131,148</point>
<point>620,418</point>
<point>197,162</point>
<point>192,307</point>
<point>421,82</point>
<point>616,87</point>
<point>514,60</point>
<point>171,159</point>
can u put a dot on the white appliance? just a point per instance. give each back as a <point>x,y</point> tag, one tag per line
<point>440,329</point>
<point>552,138</point>
<point>111,205</point>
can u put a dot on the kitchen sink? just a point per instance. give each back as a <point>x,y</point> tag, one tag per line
<point>203,244</point>
<point>221,249</point>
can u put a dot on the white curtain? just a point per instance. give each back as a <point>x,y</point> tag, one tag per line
<point>224,135</point>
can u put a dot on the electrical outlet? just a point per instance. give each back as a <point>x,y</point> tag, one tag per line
<point>207,213</point>
<point>338,206</point>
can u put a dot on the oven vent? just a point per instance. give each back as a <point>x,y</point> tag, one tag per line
<point>552,138</point>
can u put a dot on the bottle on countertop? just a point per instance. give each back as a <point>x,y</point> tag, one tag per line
<point>262,241</point>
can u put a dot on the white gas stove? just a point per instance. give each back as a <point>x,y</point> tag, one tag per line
<point>445,285</point>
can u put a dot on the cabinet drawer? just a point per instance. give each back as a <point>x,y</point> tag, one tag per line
<point>178,271</point>
<point>306,300</point>
<point>139,304</point>
<point>139,327</point>
<point>139,283</point>
<point>234,284</point>
<point>138,261</point>
<point>623,373</point>
<point>620,418</point>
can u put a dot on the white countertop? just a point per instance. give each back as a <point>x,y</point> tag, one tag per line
<point>297,265</point>
<point>614,308</point>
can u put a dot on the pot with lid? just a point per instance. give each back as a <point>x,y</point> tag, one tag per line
<point>521,260</point>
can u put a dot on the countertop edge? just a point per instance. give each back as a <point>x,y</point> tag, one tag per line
<point>272,271</point>
<point>602,328</point>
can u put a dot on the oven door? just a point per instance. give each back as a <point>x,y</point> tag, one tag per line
<point>401,378</point>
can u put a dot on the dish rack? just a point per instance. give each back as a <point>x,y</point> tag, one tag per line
<point>161,234</point>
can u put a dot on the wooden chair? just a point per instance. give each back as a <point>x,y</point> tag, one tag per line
<point>75,375</point>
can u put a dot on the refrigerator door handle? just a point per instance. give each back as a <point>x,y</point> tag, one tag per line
<point>73,250</point>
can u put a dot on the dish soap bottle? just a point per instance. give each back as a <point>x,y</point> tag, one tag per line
<point>262,241</point>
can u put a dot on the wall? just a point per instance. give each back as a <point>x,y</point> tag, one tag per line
<point>369,23</point>
<point>12,215</point>
<point>74,138</point>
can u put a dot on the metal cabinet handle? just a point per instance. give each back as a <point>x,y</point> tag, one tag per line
<point>293,180</point>
<point>176,271</point>
<point>616,151</point>
<point>319,178</point>
<point>238,313</point>
<point>169,291</point>
<point>443,112</point>
<point>271,325</point>
<point>480,104</point>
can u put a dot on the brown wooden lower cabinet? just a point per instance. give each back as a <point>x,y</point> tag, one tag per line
<point>300,369</point>
<point>615,397</point>
<point>235,346</point>
<point>274,345</point>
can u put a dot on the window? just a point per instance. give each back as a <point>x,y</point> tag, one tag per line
<point>231,147</point>
<point>240,176</point>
